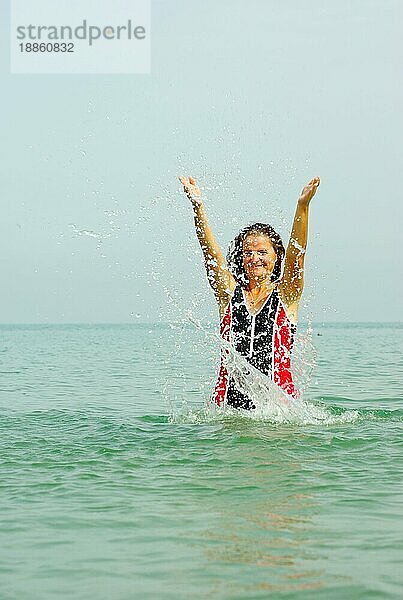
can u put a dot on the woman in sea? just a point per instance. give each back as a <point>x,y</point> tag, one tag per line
<point>258,290</point>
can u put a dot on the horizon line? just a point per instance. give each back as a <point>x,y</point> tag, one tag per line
<point>181,321</point>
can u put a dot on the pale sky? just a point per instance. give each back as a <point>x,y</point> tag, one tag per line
<point>253,98</point>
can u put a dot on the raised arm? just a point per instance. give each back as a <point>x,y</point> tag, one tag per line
<point>292,283</point>
<point>218,276</point>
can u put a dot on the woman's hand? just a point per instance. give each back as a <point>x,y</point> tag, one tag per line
<point>191,189</point>
<point>309,191</point>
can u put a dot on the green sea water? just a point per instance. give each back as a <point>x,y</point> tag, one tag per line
<point>116,483</point>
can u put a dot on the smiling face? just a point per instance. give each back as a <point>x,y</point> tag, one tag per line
<point>259,257</point>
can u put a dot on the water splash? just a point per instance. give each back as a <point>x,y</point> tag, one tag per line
<point>99,237</point>
<point>273,405</point>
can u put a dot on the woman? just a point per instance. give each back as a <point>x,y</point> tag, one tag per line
<point>257,295</point>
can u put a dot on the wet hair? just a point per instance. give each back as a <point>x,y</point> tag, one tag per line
<point>235,256</point>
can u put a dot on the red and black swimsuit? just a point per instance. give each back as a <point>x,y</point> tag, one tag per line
<point>265,339</point>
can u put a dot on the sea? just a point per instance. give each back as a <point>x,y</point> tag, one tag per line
<point>120,481</point>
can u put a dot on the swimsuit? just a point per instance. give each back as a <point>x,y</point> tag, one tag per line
<point>264,339</point>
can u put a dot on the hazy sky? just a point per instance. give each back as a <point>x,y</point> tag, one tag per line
<point>251,97</point>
